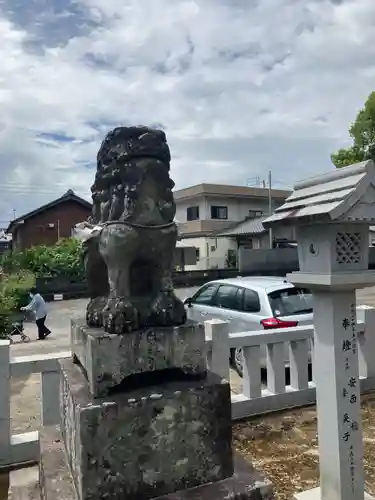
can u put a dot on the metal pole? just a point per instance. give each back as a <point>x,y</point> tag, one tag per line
<point>58,230</point>
<point>270,203</point>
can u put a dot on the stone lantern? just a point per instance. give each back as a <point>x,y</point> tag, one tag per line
<point>332,214</point>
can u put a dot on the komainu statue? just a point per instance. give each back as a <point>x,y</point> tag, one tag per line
<point>130,239</point>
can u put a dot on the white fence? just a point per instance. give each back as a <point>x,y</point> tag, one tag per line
<point>19,448</point>
<point>254,399</point>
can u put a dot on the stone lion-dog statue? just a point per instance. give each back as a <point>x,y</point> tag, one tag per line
<point>130,239</point>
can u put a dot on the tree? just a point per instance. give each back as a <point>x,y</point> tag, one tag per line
<point>362,131</point>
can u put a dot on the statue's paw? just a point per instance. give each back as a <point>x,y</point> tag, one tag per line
<point>168,310</point>
<point>94,319</point>
<point>94,316</point>
<point>120,316</point>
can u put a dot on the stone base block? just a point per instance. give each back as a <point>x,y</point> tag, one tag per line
<point>315,494</point>
<point>56,481</point>
<point>148,442</point>
<point>108,359</point>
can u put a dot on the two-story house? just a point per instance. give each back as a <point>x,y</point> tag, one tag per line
<point>206,209</point>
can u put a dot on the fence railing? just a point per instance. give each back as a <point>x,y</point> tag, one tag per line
<point>24,447</point>
<point>256,397</point>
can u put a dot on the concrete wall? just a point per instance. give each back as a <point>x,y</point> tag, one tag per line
<point>238,208</point>
<point>282,260</point>
<point>203,227</point>
<point>268,260</point>
<point>181,207</point>
<point>212,252</point>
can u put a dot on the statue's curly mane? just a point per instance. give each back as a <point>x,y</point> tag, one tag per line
<point>127,159</point>
<point>131,238</point>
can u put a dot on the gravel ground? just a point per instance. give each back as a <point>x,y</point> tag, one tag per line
<point>284,446</point>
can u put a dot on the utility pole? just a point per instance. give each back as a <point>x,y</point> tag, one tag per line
<point>270,204</point>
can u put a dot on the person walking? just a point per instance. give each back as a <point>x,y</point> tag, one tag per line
<point>38,306</point>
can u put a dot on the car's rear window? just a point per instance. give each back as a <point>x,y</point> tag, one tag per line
<point>290,301</point>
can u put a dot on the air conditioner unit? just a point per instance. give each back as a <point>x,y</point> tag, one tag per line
<point>51,225</point>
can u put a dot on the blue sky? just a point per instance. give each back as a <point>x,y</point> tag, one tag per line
<point>239,86</point>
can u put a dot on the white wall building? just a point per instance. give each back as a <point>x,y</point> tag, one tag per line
<point>205,209</point>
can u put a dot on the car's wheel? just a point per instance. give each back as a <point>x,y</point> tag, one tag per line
<point>238,361</point>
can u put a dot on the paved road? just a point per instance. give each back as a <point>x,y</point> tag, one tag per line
<point>58,321</point>
<point>60,314</point>
<point>59,317</point>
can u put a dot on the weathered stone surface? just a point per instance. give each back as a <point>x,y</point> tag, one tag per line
<point>108,359</point>
<point>131,237</point>
<point>148,442</point>
<point>245,484</point>
<point>56,482</point>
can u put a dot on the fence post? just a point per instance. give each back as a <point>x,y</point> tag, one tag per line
<point>5,448</point>
<point>50,398</point>
<point>366,351</point>
<point>219,330</point>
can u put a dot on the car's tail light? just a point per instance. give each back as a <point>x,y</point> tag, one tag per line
<point>271,323</point>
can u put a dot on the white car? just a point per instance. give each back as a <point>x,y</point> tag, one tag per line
<point>251,303</point>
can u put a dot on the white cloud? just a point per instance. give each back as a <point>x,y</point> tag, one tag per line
<point>241,86</point>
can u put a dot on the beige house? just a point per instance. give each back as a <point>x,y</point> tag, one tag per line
<point>206,209</point>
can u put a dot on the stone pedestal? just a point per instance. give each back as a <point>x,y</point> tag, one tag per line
<point>142,419</point>
<point>108,359</point>
<point>147,442</point>
<point>245,484</point>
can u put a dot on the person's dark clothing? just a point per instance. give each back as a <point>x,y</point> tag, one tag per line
<point>43,331</point>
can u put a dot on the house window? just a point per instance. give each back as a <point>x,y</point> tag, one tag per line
<point>197,253</point>
<point>192,213</point>
<point>219,212</point>
<point>255,213</point>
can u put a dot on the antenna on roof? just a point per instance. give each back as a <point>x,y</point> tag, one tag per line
<point>253,181</point>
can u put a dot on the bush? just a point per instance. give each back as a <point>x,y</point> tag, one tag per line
<point>14,290</point>
<point>62,259</point>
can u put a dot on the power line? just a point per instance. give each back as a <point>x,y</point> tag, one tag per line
<point>36,185</point>
<point>283,184</point>
<point>34,189</point>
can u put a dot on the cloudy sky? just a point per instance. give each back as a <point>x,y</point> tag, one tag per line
<point>239,86</point>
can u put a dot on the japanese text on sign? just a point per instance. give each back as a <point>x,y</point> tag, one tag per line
<point>350,390</point>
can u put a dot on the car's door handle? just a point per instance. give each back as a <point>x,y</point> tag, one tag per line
<point>230,317</point>
<point>203,313</point>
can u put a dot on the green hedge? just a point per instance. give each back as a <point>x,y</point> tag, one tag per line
<point>62,259</point>
<point>20,269</point>
<point>14,289</point>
